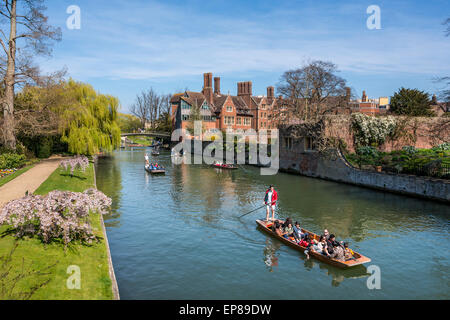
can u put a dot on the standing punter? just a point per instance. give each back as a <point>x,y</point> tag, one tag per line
<point>270,200</point>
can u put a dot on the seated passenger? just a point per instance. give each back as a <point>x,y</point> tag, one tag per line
<point>305,242</point>
<point>286,222</point>
<point>288,230</point>
<point>338,252</point>
<point>298,230</point>
<point>326,234</point>
<point>330,243</point>
<point>276,227</point>
<point>320,246</point>
<point>348,253</point>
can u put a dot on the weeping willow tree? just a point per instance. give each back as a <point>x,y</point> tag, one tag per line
<point>89,121</point>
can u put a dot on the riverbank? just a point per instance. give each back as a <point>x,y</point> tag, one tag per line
<point>92,260</point>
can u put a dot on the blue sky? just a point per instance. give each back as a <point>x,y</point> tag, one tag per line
<point>126,46</point>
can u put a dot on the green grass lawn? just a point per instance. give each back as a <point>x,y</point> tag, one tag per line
<point>91,259</point>
<point>141,140</point>
<point>10,177</point>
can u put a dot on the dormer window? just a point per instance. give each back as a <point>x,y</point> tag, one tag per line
<point>205,106</point>
<point>229,109</point>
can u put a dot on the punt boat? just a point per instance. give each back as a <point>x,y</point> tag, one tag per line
<point>155,171</point>
<point>224,166</point>
<point>358,259</point>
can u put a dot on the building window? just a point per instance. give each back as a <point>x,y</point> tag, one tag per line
<point>309,144</point>
<point>185,117</point>
<point>247,121</point>
<point>205,106</point>
<point>228,120</point>
<point>288,143</point>
<point>238,120</point>
<point>229,109</point>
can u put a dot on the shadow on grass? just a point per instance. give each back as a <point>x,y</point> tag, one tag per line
<point>14,275</point>
<point>72,247</point>
<point>72,176</point>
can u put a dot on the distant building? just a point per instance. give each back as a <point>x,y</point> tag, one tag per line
<point>440,108</point>
<point>370,106</point>
<point>221,111</point>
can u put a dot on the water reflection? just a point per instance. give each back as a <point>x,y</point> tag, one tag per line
<point>109,180</point>
<point>270,254</point>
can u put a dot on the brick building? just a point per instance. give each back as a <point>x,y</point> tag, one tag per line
<point>222,111</point>
<point>370,106</point>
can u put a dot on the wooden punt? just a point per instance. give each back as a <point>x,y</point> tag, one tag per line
<point>155,171</point>
<point>359,259</point>
<point>224,166</point>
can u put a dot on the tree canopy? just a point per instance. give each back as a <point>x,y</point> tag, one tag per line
<point>411,102</point>
<point>86,120</point>
<point>312,90</point>
<point>89,120</point>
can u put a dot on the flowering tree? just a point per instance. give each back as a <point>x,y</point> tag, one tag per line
<point>80,162</point>
<point>59,215</point>
<point>372,130</point>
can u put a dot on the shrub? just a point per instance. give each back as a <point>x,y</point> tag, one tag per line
<point>442,147</point>
<point>410,150</point>
<point>367,151</point>
<point>80,162</point>
<point>59,215</point>
<point>11,160</point>
<point>371,130</point>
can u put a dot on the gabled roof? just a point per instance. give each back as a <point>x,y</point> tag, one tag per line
<point>241,106</point>
<point>176,97</point>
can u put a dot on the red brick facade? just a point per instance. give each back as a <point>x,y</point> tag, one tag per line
<point>218,111</point>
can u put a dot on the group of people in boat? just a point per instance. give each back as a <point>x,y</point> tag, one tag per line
<point>152,166</point>
<point>326,245</point>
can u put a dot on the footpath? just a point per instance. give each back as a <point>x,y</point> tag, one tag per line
<point>28,181</point>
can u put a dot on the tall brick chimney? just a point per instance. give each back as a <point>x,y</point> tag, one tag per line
<point>270,92</point>
<point>364,97</point>
<point>240,88</point>
<point>207,87</point>
<point>217,85</point>
<point>245,91</point>
<point>348,94</point>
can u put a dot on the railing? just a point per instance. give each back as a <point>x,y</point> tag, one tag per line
<point>440,170</point>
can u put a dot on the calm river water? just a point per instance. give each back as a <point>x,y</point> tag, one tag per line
<point>178,236</point>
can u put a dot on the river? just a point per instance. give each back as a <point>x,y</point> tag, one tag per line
<point>178,236</point>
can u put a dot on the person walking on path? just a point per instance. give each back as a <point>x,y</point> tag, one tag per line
<point>270,200</point>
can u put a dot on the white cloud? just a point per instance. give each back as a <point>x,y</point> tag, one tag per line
<point>151,41</point>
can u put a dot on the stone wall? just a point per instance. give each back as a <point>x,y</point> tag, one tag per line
<point>421,132</point>
<point>334,167</point>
